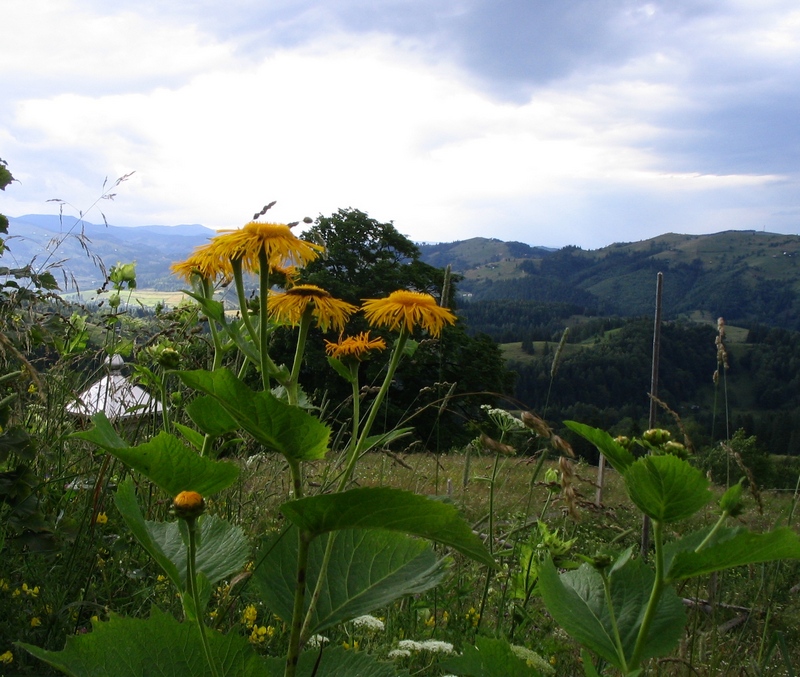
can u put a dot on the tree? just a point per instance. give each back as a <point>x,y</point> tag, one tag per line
<point>368,259</point>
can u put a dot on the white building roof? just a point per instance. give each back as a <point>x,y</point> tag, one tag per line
<point>115,396</point>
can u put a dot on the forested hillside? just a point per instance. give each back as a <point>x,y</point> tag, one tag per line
<point>748,277</point>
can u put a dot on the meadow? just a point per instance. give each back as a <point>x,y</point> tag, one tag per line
<point>254,528</point>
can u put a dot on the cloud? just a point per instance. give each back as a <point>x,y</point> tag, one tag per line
<point>542,122</point>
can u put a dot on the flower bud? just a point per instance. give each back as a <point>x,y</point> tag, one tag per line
<point>188,504</point>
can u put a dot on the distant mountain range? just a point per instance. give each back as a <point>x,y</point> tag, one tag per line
<point>48,240</point>
<point>745,276</point>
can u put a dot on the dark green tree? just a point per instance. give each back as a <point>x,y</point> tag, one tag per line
<point>369,259</point>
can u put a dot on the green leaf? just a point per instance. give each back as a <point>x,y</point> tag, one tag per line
<point>158,645</point>
<point>730,548</point>
<point>128,506</point>
<point>277,425</point>
<point>223,549</point>
<point>102,435</point>
<point>210,416</point>
<point>387,508</point>
<point>367,570</point>
<point>576,600</point>
<point>667,488</point>
<point>340,368</point>
<point>614,452</point>
<point>167,462</point>
<point>337,662</point>
<point>193,437</point>
<point>494,658</point>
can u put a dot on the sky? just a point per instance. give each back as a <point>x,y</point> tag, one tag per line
<point>549,122</point>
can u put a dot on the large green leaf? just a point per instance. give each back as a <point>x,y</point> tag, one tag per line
<point>367,570</point>
<point>158,646</point>
<point>103,434</point>
<point>494,658</point>
<point>164,460</point>
<point>222,550</point>
<point>666,488</point>
<point>337,662</point>
<point>128,506</point>
<point>614,452</point>
<point>222,547</point>
<point>387,508</point>
<point>576,600</point>
<point>210,416</point>
<point>729,548</point>
<point>277,425</point>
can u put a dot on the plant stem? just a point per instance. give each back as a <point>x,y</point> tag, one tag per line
<point>305,324</point>
<point>613,618</point>
<point>191,583</point>
<point>655,597</point>
<point>263,318</point>
<point>293,654</point>
<point>713,531</point>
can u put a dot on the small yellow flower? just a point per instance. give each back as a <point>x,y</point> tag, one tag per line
<point>353,646</point>
<point>6,658</point>
<point>31,592</point>
<point>259,634</point>
<point>357,346</point>
<point>430,621</point>
<point>101,518</point>
<point>32,388</point>
<point>289,306</point>
<point>407,310</point>
<point>95,619</point>
<point>36,622</point>
<point>249,615</point>
<point>3,585</point>
<point>188,504</point>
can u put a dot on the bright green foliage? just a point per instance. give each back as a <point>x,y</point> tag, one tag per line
<point>159,645</point>
<point>730,548</point>
<point>666,488</point>
<point>275,424</point>
<point>616,454</point>
<point>492,658</point>
<point>210,416</point>
<point>164,460</point>
<point>386,508</point>
<point>630,612</point>
<point>577,601</point>
<point>367,570</point>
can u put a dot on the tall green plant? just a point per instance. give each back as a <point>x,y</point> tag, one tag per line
<point>626,611</point>
<point>342,554</point>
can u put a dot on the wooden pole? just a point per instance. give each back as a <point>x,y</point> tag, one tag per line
<point>653,393</point>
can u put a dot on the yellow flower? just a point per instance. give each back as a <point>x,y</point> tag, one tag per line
<point>206,262</point>
<point>188,504</point>
<point>259,634</point>
<point>36,622</point>
<point>7,658</point>
<point>101,518</point>
<point>289,306</point>
<point>353,646</point>
<point>249,615</point>
<point>281,246</point>
<point>31,592</point>
<point>408,309</point>
<point>354,346</point>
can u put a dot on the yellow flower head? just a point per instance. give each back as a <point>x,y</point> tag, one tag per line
<point>289,306</point>
<point>357,346</point>
<point>281,246</point>
<point>408,309</point>
<point>249,615</point>
<point>188,504</point>
<point>206,262</point>
<point>6,658</point>
<point>101,518</point>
